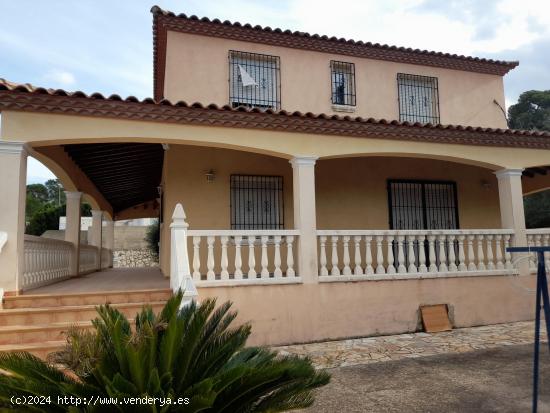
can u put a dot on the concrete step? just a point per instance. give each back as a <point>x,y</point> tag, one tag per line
<point>89,298</point>
<point>41,349</point>
<point>66,314</point>
<point>26,334</point>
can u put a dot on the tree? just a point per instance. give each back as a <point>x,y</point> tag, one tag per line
<point>56,192</point>
<point>532,112</point>
<point>47,218</point>
<point>152,236</point>
<point>190,353</point>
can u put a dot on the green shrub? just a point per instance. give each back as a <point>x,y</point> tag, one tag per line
<point>191,353</point>
<point>152,236</point>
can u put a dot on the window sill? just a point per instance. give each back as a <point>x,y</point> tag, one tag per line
<point>343,108</point>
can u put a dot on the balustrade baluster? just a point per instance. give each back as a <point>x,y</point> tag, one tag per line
<point>323,255</point>
<point>210,275</point>
<point>368,256</point>
<point>532,256</point>
<point>196,259</point>
<point>391,267</point>
<point>379,255</point>
<point>264,262</point>
<point>498,251</point>
<point>290,256</point>
<point>490,257</point>
<point>238,258</point>
<point>224,275</point>
<point>401,268</point>
<point>422,254</point>
<point>347,260</point>
<point>412,257</point>
<point>277,273</point>
<point>480,255</point>
<point>334,256</point>
<point>358,269</point>
<point>452,256</point>
<point>251,258</point>
<point>431,253</point>
<point>546,254</point>
<point>461,255</point>
<point>507,255</point>
<point>442,256</point>
<point>471,256</point>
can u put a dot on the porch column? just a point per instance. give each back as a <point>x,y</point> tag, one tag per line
<point>13,177</point>
<point>94,234</point>
<point>109,239</point>
<point>303,172</point>
<point>511,208</point>
<point>72,228</point>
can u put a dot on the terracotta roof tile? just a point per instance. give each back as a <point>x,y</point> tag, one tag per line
<point>26,97</point>
<point>165,20</point>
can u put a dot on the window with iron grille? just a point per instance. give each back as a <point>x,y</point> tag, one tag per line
<point>343,83</point>
<point>422,204</point>
<point>257,202</point>
<point>418,98</point>
<point>254,80</point>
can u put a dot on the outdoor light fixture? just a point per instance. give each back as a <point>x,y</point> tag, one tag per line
<point>210,176</point>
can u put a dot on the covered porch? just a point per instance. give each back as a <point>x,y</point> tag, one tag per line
<point>299,226</point>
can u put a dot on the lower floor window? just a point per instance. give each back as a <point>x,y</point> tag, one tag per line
<point>256,202</point>
<point>422,204</point>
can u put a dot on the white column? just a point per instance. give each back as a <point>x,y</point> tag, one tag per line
<point>109,238</point>
<point>72,228</point>
<point>13,177</point>
<point>512,215</point>
<point>303,169</point>
<point>180,273</point>
<point>95,234</point>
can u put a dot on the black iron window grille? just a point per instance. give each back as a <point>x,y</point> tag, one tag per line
<point>422,204</point>
<point>257,202</point>
<point>418,98</point>
<point>254,80</point>
<point>343,83</point>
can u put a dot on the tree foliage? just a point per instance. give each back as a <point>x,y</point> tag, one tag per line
<point>532,112</point>
<point>152,236</point>
<point>47,218</point>
<point>192,352</point>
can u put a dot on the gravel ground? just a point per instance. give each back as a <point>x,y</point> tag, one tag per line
<point>494,380</point>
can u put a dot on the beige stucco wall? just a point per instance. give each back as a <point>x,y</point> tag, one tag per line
<point>300,313</point>
<point>197,70</point>
<point>351,193</point>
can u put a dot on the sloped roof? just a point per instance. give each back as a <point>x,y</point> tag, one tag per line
<point>26,97</point>
<point>165,20</point>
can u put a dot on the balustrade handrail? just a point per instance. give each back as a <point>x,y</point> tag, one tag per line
<point>43,240</point>
<point>536,231</point>
<point>329,232</point>
<point>242,232</point>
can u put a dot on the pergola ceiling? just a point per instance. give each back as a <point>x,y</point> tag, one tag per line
<point>531,172</point>
<point>127,174</point>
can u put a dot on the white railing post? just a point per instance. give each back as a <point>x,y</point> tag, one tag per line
<point>323,256</point>
<point>264,273</point>
<point>224,275</point>
<point>347,260</point>
<point>277,273</point>
<point>358,269</point>
<point>238,258</point>
<point>180,273</point>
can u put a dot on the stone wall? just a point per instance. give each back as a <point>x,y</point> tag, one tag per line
<point>134,258</point>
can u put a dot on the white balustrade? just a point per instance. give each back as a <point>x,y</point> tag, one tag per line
<point>262,252</point>
<point>45,261</point>
<point>537,237</point>
<point>89,259</point>
<point>414,253</point>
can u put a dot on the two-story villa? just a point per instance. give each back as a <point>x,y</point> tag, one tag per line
<point>330,186</point>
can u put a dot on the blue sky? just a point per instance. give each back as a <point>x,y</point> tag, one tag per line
<point>106,46</point>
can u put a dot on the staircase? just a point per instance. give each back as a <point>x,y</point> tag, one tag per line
<point>36,323</point>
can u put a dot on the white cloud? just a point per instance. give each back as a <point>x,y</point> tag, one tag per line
<point>60,77</point>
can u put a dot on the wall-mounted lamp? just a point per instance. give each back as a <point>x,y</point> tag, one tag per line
<point>210,176</point>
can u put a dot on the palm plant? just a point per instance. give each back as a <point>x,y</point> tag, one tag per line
<point>190,353</point>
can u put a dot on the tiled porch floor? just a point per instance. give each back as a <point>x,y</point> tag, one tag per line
<point>113,279</point>
<point>368,350</point>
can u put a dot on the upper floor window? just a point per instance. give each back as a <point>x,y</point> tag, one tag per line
<point>257,202</point>
<point>418,98</point>
<point>254,80</point>
<point>343,83</point>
